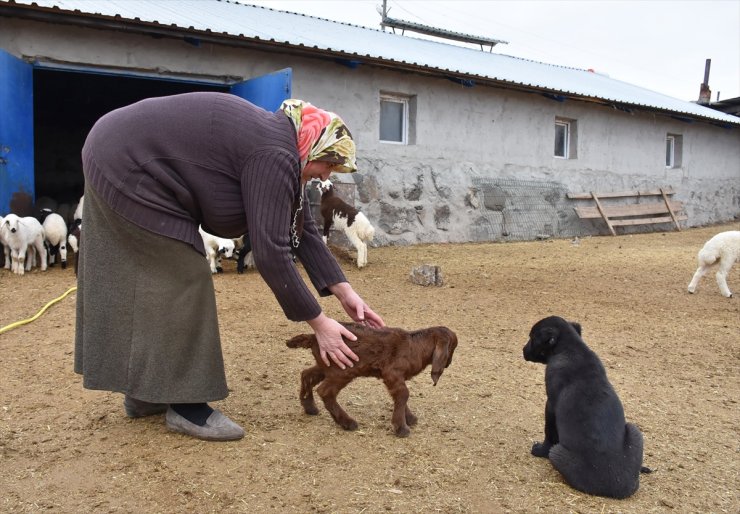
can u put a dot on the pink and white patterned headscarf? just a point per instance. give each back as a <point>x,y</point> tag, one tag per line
<point>322,136</point>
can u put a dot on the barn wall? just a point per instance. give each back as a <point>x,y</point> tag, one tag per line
<point>482,157</point>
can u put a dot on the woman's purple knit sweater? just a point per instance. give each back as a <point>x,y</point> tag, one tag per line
<point>169,164</point>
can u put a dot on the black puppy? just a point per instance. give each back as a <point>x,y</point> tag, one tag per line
<point>586,437</point>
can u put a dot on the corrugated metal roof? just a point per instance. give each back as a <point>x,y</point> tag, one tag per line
<point>223,17</point>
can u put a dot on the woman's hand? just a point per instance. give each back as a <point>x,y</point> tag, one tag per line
<point>357,309</point>
<point>331,345</point>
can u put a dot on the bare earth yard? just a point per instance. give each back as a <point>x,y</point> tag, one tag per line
<point>672,357</point>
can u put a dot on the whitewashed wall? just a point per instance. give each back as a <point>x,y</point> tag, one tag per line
<point>430,191</point>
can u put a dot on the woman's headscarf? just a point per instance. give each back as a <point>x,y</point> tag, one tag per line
<point>322,136</point>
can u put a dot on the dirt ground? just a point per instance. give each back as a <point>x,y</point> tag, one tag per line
<point>672,357</point>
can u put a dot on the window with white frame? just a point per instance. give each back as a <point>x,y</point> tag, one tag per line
<point>394,119</point>
<point>673,150</point>
<point>565,138</point>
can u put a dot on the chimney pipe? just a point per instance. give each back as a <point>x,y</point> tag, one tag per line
<point>705,94</point>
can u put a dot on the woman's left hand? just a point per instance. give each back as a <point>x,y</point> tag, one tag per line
<point>355,306</point>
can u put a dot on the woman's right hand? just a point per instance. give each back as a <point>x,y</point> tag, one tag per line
<point>331,345</point>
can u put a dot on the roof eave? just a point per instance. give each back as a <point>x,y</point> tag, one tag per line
<point>98,21</point>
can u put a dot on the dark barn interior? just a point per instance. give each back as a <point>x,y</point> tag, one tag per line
<point>66,105</point>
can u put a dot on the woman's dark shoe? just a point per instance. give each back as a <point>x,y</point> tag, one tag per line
<point>217,427</point>
<point>139,408</point>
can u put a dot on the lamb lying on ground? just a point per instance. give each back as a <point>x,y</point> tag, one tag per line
<point>393,355</point>
<point>724,249</point>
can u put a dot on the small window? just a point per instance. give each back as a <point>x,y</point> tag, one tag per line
<point>562,132</point>
<point>673,150</point>
<point>394,119</point>
<point>565,139</point>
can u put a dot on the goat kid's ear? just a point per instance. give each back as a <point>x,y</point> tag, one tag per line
<point>439,359</point>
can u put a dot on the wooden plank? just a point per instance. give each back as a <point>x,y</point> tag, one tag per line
<point>670,211</point>
<point>617,211</point>
<point>645,221</point>
<point>606,218</point>
<point>623,194</point>
<point>647,213</point>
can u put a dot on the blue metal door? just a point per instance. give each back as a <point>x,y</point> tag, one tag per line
<point>267,91</point>
<point>16,135</point>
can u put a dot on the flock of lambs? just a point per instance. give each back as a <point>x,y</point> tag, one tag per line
<point>37,241</point>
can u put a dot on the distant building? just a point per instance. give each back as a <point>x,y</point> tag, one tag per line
<point>729,106</point>
<point>454,144</point>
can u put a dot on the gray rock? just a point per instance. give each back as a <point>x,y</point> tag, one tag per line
<point>427,275</point>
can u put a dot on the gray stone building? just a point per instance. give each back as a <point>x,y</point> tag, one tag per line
<point>454,144</point>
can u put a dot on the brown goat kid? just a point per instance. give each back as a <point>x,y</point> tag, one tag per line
<point>392,355</point>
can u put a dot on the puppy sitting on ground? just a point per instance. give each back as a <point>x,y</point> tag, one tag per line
<point>393,355</point>
<point>586,437</point>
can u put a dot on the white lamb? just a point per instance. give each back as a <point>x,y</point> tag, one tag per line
<point>25,237</point>
<point>75,227</point>
<point>55,230</point>
<point>78,210</point>
<point>6,248</point>
<point>723,248</point>
<point>216,247</point>
<point>355,224</point>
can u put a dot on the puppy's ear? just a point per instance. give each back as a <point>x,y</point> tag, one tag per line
<point>577,326</point>
<point>541,344</point>
<point>551,335</point>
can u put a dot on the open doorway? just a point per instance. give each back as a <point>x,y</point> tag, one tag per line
<point>66,105</point>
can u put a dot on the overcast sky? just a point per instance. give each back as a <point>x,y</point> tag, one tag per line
<point>661,45</point>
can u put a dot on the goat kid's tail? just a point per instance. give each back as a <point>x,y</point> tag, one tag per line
<point>301,341</point>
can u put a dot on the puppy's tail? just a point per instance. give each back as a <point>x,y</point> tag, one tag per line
<point>301,341</point>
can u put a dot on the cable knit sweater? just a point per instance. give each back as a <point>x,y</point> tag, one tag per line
<point>169,164</point>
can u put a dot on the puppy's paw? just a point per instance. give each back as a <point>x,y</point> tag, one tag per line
<point>541,449</point>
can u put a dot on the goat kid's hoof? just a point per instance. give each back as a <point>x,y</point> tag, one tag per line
<point>411,420</point>
<point>403,432</point>
<point>349,425</point>
<point>311,411</point>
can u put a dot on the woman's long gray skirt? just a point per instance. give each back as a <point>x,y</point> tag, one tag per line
<point>146,313</point>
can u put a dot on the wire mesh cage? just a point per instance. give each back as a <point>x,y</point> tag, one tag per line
<point>514,209</point>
